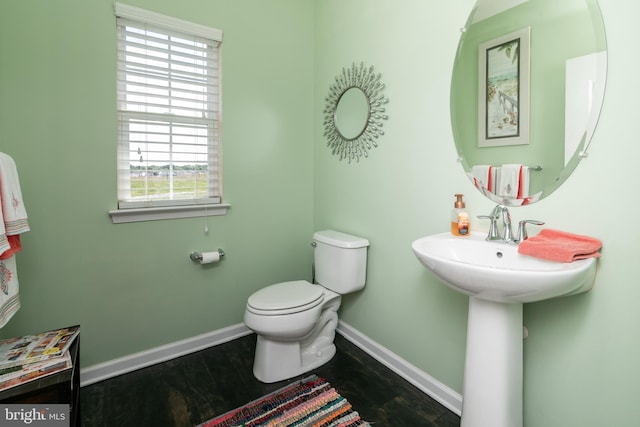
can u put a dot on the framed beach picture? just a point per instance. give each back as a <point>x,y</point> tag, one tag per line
<point>503,90</point>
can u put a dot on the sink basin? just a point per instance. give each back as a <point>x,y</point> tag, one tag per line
<point>495,271</point>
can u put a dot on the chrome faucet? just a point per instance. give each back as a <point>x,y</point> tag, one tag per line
<point>501,211</point>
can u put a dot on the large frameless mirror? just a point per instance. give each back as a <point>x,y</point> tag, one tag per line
<point>526,92</point>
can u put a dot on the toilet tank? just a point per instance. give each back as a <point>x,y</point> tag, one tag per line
<point>340,261</point>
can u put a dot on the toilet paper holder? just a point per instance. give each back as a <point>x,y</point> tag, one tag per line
<point>197,256</point>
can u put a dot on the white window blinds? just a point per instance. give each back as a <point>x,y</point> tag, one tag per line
<point>168,111</point>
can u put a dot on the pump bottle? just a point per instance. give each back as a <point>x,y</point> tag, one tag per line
<point>459,218</point>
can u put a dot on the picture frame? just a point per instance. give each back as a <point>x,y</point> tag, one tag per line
<point>503,90</point>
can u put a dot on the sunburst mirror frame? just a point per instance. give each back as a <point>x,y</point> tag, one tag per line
<point>369,83</point>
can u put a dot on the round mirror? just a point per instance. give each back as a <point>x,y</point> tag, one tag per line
<point>354,112</point>
<point>526,92</point>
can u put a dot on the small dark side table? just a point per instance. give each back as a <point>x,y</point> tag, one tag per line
<point>59,388</point>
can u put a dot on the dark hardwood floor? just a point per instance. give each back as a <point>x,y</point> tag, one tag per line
<point>195,388</point>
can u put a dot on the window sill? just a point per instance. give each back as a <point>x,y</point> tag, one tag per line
<point>120,216</point>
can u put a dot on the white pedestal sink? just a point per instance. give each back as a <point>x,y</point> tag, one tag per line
<point>498,281</point>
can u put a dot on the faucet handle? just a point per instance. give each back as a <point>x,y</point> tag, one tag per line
<point>493,227</point>
<point>522,228</point>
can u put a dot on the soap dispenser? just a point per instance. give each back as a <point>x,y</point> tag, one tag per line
<point>459,218</point>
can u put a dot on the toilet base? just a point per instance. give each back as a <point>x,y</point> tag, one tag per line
<point>279,360</point>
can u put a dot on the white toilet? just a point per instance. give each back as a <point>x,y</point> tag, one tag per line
<point>296,321</point>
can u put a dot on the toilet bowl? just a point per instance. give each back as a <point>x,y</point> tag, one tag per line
<point>295,321</point>
<point>296,338</point>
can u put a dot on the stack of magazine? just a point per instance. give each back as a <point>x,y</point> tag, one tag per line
<point>31,357</point>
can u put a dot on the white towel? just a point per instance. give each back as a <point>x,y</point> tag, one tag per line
<point>484,177</point>
<point>13,219</point>
<point>9,296</point>
<point>509,181</point>
<point>524,183</point>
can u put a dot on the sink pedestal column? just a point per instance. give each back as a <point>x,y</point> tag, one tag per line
<point>492,389</point>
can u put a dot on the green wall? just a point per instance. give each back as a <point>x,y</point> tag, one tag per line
<point>397,194</point>
<point>132,286</point>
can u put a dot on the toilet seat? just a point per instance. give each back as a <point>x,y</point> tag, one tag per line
<point>285,298</point>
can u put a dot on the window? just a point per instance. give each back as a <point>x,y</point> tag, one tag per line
<point>168,93</point>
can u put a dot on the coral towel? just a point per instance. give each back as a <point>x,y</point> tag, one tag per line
<point>554,245</point>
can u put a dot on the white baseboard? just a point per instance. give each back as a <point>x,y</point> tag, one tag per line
<point>132,362</point>
<point>423,381</point>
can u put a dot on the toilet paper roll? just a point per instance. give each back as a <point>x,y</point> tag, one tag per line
<point>209,257</point>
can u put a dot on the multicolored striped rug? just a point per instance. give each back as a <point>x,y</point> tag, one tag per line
<point>309,402</point>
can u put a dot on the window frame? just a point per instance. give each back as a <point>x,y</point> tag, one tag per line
<point>175,208</point>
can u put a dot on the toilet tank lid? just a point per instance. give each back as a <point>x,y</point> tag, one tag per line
<point>341,240</point>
